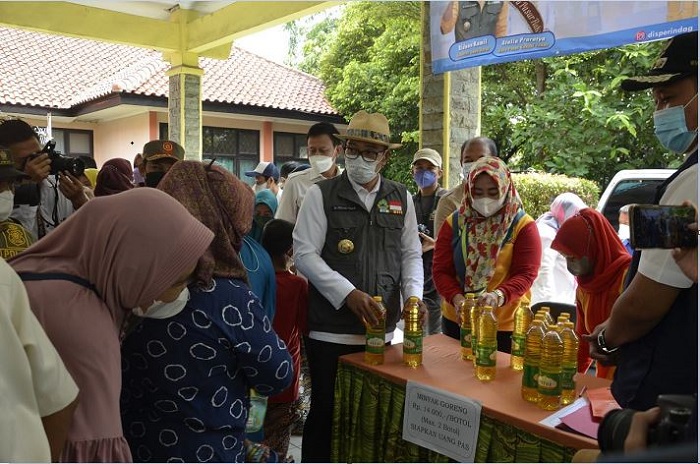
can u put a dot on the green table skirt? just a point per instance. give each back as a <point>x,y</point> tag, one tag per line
<point>368,420</point>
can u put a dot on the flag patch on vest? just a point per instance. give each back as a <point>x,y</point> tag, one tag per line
<point>395,207</point>
<point>383,206</point>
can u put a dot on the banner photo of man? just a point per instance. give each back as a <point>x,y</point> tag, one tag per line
<point>475,33</point>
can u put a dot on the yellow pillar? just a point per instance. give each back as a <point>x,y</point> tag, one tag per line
<point>185,108</point>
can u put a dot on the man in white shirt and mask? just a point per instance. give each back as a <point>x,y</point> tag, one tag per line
<point>355,238</point>
<point>323,148</point>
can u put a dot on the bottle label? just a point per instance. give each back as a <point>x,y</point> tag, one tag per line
<point>412,343</point>
<point>549,383</point>
<point>486,356</point>
<point>518,345</point>
<point>530,375</point>
<point>567,378</point>
<point>465,336</point>
<point>374,343</point>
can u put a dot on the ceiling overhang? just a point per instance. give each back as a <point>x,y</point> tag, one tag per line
<point>185,28</point>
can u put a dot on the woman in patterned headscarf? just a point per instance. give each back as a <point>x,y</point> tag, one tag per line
<point>489,245</point>
<point>554,283</point>
<point>186,378</point>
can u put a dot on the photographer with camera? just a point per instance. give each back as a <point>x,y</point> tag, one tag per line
<point>53,191</point>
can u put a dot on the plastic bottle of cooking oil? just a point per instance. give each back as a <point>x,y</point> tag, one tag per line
<point>549,380</point>
<point>413,334</point>
<point>374,337</point>
<point>474,315</point>
<point>487,346</point>
<point>531,362</point>
<point>523,319</point>
<point>548,315</point>
<point>569,363</point>
<point>561,320</point>
<point>465,327</point>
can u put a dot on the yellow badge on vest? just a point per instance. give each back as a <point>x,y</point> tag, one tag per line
<point>346,246</point>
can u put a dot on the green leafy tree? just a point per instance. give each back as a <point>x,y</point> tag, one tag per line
<point>561,115</point>
<point>369,59</point>
<point>568,115</point>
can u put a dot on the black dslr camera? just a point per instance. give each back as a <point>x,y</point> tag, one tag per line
<point>672,428</point>
<point>60,163</point>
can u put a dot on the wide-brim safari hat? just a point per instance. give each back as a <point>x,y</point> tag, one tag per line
<point>371,128</point>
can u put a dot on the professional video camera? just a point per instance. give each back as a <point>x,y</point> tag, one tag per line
<point>60,163</point>
<point>676,411</point>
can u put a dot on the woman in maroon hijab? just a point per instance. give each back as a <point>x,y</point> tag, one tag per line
<point>115,176</point>
<point>120,252</point>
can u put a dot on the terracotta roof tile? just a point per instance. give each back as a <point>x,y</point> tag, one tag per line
<point>52,71</point>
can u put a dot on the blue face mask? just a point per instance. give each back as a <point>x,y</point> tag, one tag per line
<point>671,129</point>
<point>424,178</point>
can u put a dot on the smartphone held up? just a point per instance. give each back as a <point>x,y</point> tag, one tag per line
<point>662,226</point>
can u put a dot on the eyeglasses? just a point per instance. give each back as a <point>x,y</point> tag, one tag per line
<point>367,155</point>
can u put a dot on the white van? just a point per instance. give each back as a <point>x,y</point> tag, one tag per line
<point>630,186</point>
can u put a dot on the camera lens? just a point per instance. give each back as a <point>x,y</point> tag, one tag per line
<point>613,430</point>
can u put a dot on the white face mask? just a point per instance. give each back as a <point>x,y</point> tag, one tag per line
<point>7,202</point>
<point>260,187</point>
<point>361,171</point>
<point>162,310</point>
<point>487,207</point>
<point>321,163</point>
<point>623,231</point>
<point>466,167</point>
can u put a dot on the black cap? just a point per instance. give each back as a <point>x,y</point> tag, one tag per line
<point>678,60</point>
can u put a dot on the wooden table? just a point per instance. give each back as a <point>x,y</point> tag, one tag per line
<point>369,409</point>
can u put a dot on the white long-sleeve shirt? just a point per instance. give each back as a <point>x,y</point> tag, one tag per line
<point>310,237</point>
<point>35,382</point>
<point>295,188</point>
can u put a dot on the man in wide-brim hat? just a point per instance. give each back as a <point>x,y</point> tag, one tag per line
<point>356,237</point>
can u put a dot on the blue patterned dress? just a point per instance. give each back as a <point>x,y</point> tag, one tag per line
<point>186,379</point>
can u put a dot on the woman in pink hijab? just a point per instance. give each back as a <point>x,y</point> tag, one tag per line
<point>136,250</point>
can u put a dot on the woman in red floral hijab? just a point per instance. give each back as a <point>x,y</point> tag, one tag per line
<point>490,246</point>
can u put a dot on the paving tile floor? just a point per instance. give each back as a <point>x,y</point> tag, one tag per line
<point>295,448</point>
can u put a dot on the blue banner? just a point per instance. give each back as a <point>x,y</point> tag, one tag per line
<point>466,34</point>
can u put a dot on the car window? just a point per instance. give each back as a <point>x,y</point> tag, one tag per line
<point>630,191</point>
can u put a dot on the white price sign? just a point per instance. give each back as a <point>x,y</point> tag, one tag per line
<point>441,421</point>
